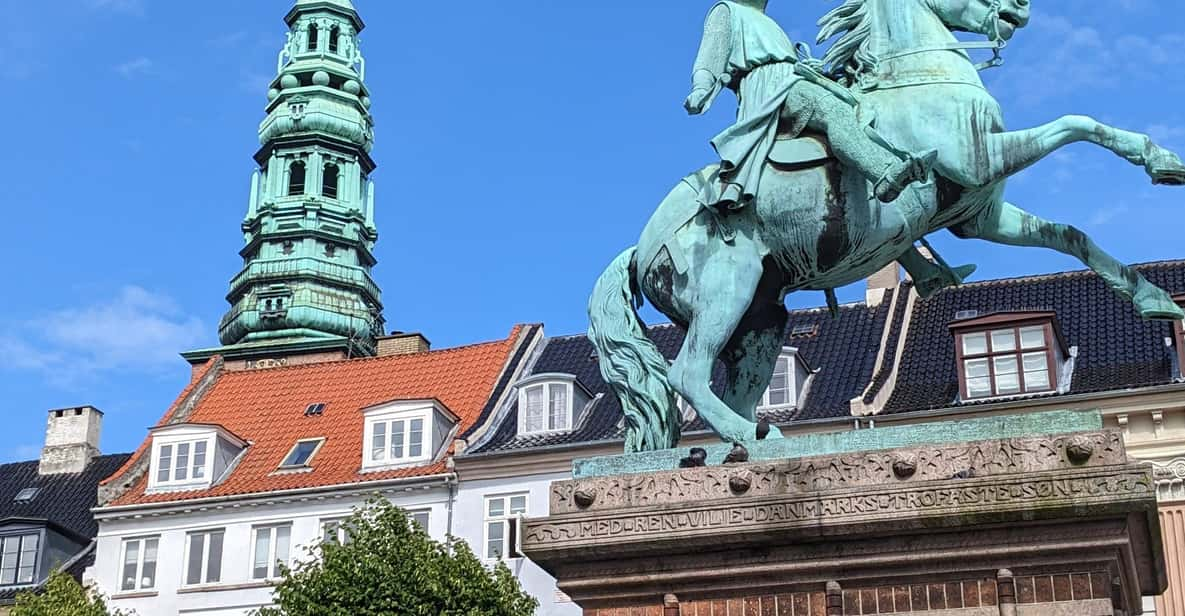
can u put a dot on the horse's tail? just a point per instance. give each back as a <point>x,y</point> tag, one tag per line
<point>630,363</point>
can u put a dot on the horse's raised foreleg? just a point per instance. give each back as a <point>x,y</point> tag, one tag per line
<point>726,285</point>
<point>1005,223</point>
<point>1006,154</point>
<point>751,354</point>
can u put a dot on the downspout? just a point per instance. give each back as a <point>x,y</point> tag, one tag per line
<point>451,482</point>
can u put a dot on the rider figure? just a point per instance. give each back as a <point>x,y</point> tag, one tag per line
<point>745,50</point>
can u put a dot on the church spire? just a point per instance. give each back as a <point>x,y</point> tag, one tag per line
<point>306,286</point>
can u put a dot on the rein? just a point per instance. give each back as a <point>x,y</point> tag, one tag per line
<point>997,44</point>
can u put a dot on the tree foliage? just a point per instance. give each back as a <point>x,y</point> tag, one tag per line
<point>62,596</point>
<point>391,567</point>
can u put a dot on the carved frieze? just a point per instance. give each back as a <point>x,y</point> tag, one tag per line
<point>823,473</point>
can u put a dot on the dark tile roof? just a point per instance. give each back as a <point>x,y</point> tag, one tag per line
<point>1116,348</point>
<point>842,349</point>
<point>63,500</point>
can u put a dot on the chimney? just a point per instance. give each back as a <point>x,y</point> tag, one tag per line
<point>71,440</point>
<point>401,343</point>
<point>887,278</point>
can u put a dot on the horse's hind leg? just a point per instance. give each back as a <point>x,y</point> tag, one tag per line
<point>726,286</point>
<point>1005,223</point>
<point>1009,153</point>
<point>751,354</point>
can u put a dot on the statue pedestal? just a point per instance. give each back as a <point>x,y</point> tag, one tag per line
<point>1047,524</point>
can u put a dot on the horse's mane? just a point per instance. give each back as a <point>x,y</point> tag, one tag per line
<point>849,56</point>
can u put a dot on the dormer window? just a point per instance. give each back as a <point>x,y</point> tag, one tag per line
<point>401,433</point>
<point>549,403</point>
<point>1008,354</point>
<point>786,384</point>
<point>190,456</point>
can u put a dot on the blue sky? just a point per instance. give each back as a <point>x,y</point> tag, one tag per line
<point>521,145</point>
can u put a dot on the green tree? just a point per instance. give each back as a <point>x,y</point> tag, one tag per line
<point>62,596</point>
<point>391,567</point>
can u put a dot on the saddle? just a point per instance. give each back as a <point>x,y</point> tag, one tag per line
<point>805,151</point>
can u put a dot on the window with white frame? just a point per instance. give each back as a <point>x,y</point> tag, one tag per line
<point>203,557</point>
<point>18,559</point>
<point>419,516</point>
<point>334,531</point>
<point>782,390</point>
<point>1006,361</point>
<point>502,525</point>
<point>397,439</point>
<point>182,462</point>
<point>139,564</point>
<point>272,545</point>
<point>546,407</point>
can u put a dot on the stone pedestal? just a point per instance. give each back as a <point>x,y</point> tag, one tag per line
<point>1050,524</point>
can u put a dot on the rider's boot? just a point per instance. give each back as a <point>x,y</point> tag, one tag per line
<point>901,175</point>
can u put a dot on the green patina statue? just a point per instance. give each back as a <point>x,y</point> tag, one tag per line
<point>795,202</point>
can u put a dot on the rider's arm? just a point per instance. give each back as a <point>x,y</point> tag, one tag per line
<point>711,64</point>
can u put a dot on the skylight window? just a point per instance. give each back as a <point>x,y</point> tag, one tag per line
<point>302,453</point>
<point>26,495</point>
<point>315,410</point>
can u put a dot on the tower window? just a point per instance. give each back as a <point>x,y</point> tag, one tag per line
<point>334,33</point>
<point>329,181</point>
<point>296,175</point>
<point>313,32</point>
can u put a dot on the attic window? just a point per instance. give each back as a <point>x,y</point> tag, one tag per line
<point>786,384</point>
<point>315,409</point>
<point>302,453</point>
<point>26,495</point>
<point>1007,355</point>
<point>545,407</point>
<point>805,330</point>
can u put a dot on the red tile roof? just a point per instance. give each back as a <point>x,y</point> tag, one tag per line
<point>266,408</point>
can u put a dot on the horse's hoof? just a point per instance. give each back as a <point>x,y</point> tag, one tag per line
<point>1164,167</point>
<point>1155,304</point>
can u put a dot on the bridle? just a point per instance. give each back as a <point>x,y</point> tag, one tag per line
<point>996,44</point>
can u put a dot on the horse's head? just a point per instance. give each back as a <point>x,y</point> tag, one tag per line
<point>990,18</point>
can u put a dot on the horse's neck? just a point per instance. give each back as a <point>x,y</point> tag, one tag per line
<point>905,26</point>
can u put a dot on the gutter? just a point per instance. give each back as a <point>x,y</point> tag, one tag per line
<point>847,421</point>
<point>102,513</point>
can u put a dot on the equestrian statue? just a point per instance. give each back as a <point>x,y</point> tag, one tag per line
<point>834,169</point>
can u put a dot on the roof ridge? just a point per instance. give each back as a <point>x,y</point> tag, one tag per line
<point>355,360</point>
<point>1066,273</point>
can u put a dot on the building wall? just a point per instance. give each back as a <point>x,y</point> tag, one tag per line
<point>236,594</point>
<point>469,524</point>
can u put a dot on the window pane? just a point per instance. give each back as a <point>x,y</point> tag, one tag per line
<point>558,417</point>
<point>8,557</point>
<point>533,422</point>
<point>131,556</point>
<point>164,463</point>
<point>979,387</point>
<point>214,566</point>
<point>494,541</point>
<point>199,460</point>
<point>260,565</point>
<point>975,368</point>
<point>421,518</point>
<point>1036,372</point>
<point>193,567</point>
<point>1007,380</point>
<point>396,440</point>
<point>1003,340</point>
<point>496,507</point>
<point>148,572</point>
<point>378,448</point>
<point>415,439</point>
<point>181,465</point>
<point>974,344</point>
<point>1032,337</point>
<point>28,559</point>
<point>283,545</point>
<point>518,504</point>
